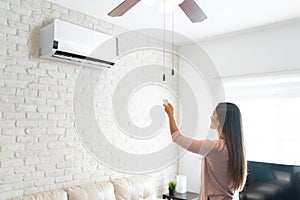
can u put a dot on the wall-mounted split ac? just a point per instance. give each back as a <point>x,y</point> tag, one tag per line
<point>63,41</point>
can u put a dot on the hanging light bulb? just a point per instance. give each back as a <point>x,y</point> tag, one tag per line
<point>148,2</point>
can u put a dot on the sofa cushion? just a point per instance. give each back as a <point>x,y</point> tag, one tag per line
<point>96,191</point>
<point>134,188</point>
<point>49,195</point>
<point>263,173</point>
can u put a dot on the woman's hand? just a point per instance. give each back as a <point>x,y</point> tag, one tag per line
<point>169,110</point>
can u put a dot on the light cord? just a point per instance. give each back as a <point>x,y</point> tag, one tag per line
<point>164,38</point>
<point>173,43</point>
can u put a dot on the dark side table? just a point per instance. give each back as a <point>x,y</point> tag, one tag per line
<point>181,196</point>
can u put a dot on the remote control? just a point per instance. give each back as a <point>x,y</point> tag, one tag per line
<point>165,101</point>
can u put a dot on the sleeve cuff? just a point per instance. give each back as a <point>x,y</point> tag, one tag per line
<point>175,135</point>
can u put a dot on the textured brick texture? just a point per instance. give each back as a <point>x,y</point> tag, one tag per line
<point>39,147</point>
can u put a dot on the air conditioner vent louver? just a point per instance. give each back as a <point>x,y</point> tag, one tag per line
<point>82,59</point>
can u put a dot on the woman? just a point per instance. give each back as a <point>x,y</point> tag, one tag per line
<point>224,165</point>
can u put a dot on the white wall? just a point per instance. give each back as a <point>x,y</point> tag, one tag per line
<point>39,146</point>
<point>189,164</point>
<point>268,49</point>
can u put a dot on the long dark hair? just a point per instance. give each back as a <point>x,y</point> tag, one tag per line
<point>230,120</point>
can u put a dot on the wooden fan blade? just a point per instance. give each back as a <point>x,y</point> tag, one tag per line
<point>123,8</point>
<point>192,11</point>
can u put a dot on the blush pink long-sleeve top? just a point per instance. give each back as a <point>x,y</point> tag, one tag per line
<point>215,182</point>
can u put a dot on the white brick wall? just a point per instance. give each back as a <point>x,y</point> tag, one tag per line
<point>39,147</point>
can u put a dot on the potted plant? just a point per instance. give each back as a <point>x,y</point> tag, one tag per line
<point>172,187</point>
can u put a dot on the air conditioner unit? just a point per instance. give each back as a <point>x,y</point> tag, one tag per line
<point>63,41</point>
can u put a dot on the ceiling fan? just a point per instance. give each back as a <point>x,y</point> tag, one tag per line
<point>189,7</point>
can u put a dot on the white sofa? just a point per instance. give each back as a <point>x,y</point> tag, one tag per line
<point>130,188</point>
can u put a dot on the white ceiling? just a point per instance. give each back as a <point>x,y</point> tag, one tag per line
<point>224,16</point>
